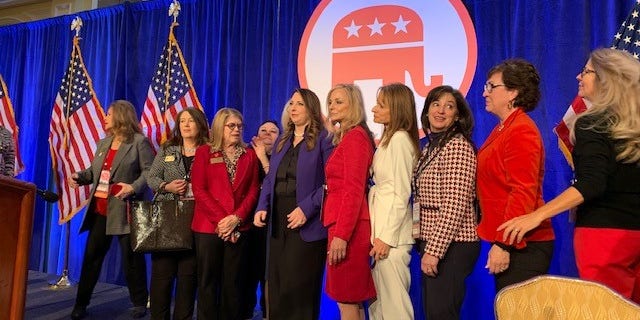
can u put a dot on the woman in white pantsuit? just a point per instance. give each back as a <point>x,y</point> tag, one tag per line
<point>391,217</point>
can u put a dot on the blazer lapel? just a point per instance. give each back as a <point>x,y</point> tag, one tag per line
<point>122,151</point>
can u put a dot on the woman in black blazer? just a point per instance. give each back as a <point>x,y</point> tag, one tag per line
<point>115,174</point>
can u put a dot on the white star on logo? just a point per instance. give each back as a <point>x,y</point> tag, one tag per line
<point>376,27</point>
<point>401,25</point>
<point>353,30</point>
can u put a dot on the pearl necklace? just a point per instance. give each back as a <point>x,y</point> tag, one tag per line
<point>298,135</point>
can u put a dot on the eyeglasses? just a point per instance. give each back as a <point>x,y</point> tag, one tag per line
<point>232,126</point>
<point>586,71</point>
<point>488,87</point>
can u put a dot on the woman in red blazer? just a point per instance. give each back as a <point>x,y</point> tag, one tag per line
<point>225,187</point>
<point>346,210</point>
<point>510,174</point>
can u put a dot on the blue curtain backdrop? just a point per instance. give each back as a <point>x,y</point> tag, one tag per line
<point>244,54</point>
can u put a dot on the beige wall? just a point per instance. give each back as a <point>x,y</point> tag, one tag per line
<point>30,10</point>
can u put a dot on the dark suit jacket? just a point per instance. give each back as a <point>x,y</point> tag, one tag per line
<point>510,174</point>
<point>130,163</point>
<point>216,197</point>
<point>309,182</point>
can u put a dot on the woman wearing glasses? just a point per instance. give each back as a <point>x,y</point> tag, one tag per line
<point>225,186</point>
<point>510,174</point>
<point>168,179</point>
<point>607,158</point>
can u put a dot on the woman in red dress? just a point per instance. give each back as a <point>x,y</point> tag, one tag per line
<point>346,211</point>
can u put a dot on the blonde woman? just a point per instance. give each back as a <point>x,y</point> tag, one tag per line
<point>346,211</point>
<point>225,187</point>
<point>607,168</point>
<point>391,215</point>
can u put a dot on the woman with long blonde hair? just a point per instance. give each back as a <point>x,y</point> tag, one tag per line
<point>607,168</point>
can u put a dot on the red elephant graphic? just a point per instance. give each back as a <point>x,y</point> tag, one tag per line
<point>381,42</point>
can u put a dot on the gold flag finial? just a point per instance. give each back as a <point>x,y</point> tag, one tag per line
<point>174,10</point>
<point>76,25</point>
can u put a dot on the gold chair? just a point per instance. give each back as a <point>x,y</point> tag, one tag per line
<point>561,298</point>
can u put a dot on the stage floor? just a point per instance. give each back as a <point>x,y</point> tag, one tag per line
<point>109,301</point>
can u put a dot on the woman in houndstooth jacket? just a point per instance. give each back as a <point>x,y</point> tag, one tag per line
<point>444,192</point>
<point>169,178</point>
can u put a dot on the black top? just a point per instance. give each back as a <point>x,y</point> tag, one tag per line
<point>287,174</point>
<point>611,189</point>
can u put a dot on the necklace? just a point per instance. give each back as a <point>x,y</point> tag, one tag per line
<point>189,149</point>
<point>298,134</point>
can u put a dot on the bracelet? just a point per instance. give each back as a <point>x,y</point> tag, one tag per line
<point>503,246</point>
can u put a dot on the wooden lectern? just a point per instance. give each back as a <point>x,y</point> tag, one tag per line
<point>16,223</point>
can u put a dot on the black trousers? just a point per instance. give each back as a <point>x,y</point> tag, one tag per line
<point>220,266</point>
<point>256,261</point>
<point>167,268</point>
<point>443,295</point>
<point>524,264</point>
<point>98,244</point>
<point>295,276</point>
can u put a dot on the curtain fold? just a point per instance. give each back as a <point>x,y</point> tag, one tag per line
<point>243,54</point>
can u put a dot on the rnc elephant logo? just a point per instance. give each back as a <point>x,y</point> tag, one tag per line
<point>422,44</point>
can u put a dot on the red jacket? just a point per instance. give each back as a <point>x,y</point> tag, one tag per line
<point>215,196</point>
<point>510,175</point>
<point>347,173</point>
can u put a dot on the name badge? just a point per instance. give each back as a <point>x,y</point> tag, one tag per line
<point>170,158</point>
<point>216,160</point>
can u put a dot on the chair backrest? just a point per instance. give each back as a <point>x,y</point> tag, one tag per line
<point>553,297</point>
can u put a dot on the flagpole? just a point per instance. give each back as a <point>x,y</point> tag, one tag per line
<point>64,281</point>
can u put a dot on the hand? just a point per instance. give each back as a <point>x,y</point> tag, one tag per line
<point>227,225</point>
<point>429,265</point>
<point>498,260</point>
<point>178,186</point>
<point>125,191</point>
<point>296,218</point>
<point>73,180</point>
<point>259,219</point>
<point>258,147</point>
<point>337,251</point>
<point>515,229</point>
<point>380,250</point>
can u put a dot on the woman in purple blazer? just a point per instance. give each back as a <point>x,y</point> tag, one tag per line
<point>290,204</point>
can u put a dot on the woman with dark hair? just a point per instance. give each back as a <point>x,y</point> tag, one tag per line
<point>607,168</point>
<point>225,186</point>
<point>262,143</point>
<point>444,191</point>
<point>290,204</point>
<point>389,201</point>
<point>117,173</point>
<point>510,174</point>
<point>169,178</point>
<point>346,209</point>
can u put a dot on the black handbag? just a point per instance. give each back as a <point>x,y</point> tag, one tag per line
<point>158,226</point>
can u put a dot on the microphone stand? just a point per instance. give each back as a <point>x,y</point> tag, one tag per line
<point>64,282</point>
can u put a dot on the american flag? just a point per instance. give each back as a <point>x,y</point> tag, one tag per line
<point>75,129</point>
<point>626,39</point>
<point>8,120</point>
<point>171,90</point>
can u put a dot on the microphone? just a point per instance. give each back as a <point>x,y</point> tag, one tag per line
<point>47,195</point>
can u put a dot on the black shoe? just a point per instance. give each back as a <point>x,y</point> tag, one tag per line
<point>138,312</point>
<point>79,312</point>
